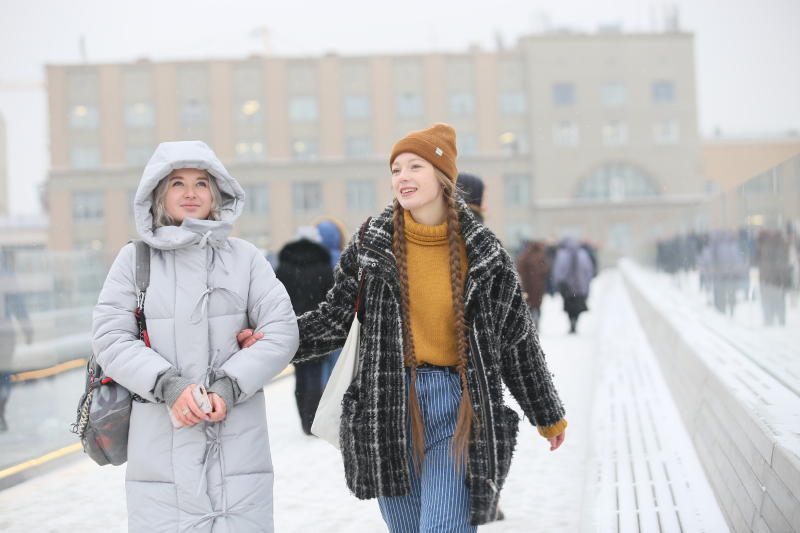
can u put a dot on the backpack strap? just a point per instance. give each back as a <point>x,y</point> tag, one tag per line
<point>361,273</point>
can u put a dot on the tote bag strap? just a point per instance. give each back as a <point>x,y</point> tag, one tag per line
<point>361,273</point>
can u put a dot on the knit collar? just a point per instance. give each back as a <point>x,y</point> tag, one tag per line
<point>485,254</point>
<point>423,234</point>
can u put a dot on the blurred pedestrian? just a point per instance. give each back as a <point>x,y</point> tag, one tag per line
<point>727,265</point>
<point>305,270</point>
<point>534,269</point>
<point>572,274</point>
<point>424,426</point>
<point>334,237</point>
<point>214,472</point>
<point>471,188</point>
<point>774,275</point>
<point>12,309</point>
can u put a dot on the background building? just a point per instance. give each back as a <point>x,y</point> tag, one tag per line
<point>591,135</point>
<point>3,169</point>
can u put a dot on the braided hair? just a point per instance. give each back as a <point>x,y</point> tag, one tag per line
<point>466,413</point>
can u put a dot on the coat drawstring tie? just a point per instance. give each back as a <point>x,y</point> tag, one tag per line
<point>201,306</point>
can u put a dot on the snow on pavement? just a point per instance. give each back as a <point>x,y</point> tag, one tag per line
<point>546,491</point>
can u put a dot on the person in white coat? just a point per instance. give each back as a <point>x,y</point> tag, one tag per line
<point>214,473</point>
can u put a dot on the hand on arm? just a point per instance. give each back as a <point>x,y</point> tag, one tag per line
<point>247,338</point>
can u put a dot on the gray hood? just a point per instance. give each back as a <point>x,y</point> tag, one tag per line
<point>186,154</point>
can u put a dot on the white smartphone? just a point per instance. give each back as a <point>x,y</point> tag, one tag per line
<point>200,396</point>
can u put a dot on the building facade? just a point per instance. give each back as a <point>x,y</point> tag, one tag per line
<point>591,135</point>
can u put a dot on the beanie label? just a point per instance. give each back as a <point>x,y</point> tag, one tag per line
<point>439,151</point>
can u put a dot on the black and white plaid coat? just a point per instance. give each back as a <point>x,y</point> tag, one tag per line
<point>504,349</point>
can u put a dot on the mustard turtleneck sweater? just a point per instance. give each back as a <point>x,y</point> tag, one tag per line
<point>429,292</point>
<point>431,298</point>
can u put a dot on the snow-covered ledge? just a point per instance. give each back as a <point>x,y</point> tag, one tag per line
<point>738,399</point>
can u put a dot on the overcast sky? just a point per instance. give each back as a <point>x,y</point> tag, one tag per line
<point>747,51</point>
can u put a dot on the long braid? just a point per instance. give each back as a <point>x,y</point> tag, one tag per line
<point>409,356</point>
<point>460,443</point>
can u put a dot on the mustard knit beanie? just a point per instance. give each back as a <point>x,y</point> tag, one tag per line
<point>436,144</point>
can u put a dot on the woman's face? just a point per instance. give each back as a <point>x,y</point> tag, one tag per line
<point>188,194</point>
<point>415,184</point>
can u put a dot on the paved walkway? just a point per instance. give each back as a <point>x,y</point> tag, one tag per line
<point>627,464</point>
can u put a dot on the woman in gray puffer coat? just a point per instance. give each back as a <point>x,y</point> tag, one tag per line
<point>214,473</point>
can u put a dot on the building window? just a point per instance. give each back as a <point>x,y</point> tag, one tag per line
<point>462,104</point>
<point>666,132</point>
<point>249,150</point>
<point>358,147</point>
<point>514,143</point>
<point>85,157</point>
<point>563,93</point>
<point>467,144</point>
<point>613,94</point>
<point>360,195</point>
<point>307,198</point>
<point>84,117</point>
<point>303,108</point>
<point>617,182</point>
<point>256,201</point>
<point>566,133</point>
<point>516,189</point>
<point>88,206</point>
<point>305,149</point>
<point>517,233</point>
<point>138,155</point>
<point>357,106</point>
<point>248,111</point>
<point>663,92</point>
<point>615,133</point>
<point>194,112</point>
<point>513,103</point>
<point>408,105</point>
<point>139,115</point>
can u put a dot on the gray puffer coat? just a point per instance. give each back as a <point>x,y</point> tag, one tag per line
<point>204,288</point>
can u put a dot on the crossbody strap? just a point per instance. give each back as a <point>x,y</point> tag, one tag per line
<point>142,276</point>
<point>361,273</point>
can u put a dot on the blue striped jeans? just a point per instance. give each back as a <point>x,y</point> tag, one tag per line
<point>439,498</point>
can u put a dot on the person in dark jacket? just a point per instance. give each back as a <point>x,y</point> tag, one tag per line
<point>534,269</point>
<point>573,271</point>
<point>305,270</point>
<point>334,237</point>
<point>12,308</point>
<point>774,275</point>
<point>472,188</point>
<point>444,327</point>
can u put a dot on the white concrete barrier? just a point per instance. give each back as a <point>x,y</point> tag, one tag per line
<point>744,423</point>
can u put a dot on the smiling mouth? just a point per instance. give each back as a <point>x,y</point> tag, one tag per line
<point>189,206</point>
<point>407,191</point>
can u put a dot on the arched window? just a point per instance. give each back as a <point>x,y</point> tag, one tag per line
<point>617,182</point>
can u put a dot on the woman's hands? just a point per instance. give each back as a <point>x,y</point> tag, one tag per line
<point>247,338</point>
<point>218,408</point>
<point>185,409</point>
<point>557,441</point>
<point>188,413</point>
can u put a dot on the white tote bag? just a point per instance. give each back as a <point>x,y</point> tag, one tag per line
<point>329,412</point>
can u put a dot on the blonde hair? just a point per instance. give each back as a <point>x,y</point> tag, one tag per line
<point>159,211</point>
<point>460,444</point>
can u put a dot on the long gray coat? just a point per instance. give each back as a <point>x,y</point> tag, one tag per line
<point>204,288</point>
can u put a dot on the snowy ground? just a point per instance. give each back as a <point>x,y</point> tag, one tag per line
<point>622,424</point>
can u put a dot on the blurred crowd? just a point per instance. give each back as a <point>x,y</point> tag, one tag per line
<point>730,262</point>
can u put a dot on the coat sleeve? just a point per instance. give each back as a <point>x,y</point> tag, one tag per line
<point>522,361</point>
<point>325,328</point>
<point>270,312</point>
<point>115,335</point>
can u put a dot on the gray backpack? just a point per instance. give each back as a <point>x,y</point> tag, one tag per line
<point>104,410</point>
